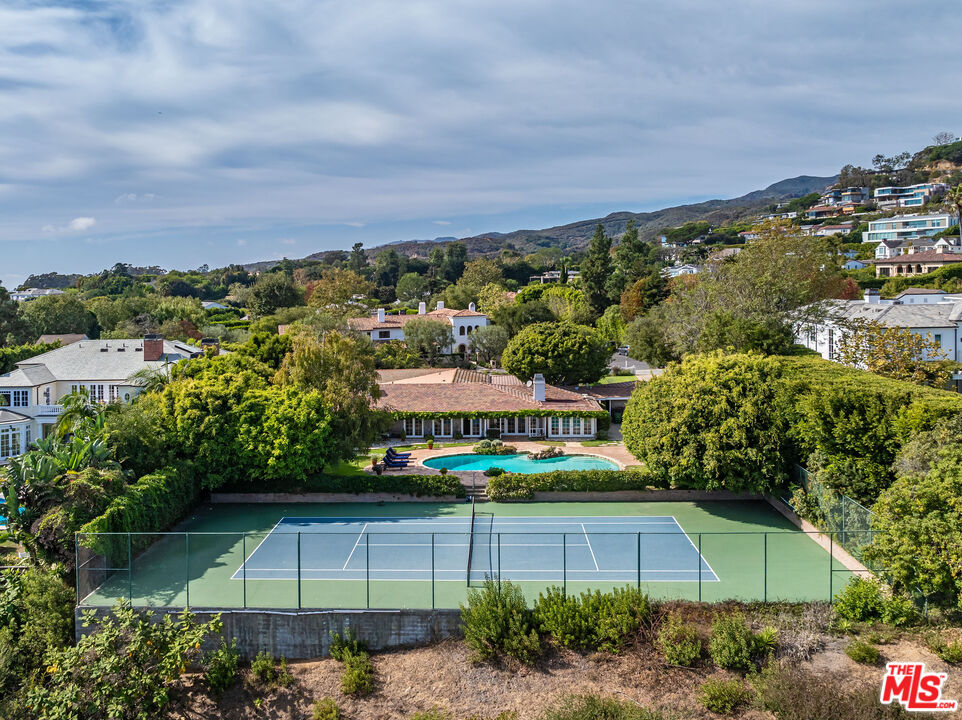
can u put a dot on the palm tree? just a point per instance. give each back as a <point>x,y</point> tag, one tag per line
<point>150,379</point>
<point>77,413</point>
<point>954,198</point>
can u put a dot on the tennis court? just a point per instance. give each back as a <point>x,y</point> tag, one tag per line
<point>417,555</point>
<point>579,549</point>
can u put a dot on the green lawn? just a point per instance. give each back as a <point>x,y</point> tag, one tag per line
<point>614,379</point>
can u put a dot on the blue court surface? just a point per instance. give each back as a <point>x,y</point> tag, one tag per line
<point>609,549</point>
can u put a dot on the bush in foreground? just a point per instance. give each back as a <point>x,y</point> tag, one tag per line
<point>497,622</point>
<point>326,709</point>
<point>595,707</point>
<point>679,641</point>
<point>733,646</point>
<point>358,678</point>
<point>722,696</point>
<point>517,486</point>
<point>863,652</point>
<point>221,670</point>
<point>593,620</point>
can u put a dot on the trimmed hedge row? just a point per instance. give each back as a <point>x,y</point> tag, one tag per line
<point>513,486</point>
<point>417,485</point>
<point>152,504</point>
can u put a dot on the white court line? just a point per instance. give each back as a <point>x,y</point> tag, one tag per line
<point>243,566</point>
<point>701,558</point>
<point>356,542</point>
<point>507,520</point>
<point>630,573</point>
<point>590,549</point>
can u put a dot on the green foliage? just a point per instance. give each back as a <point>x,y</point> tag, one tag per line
<point>268,348</point>
<point>36,617</point>
<point>722,696</point>
<point>10,356</point>
<point>220,669</point>
<point>417,485</point>
<point>358,677</point>
<point>647,339</point>
<point>860,601</point>
<point>347,644</point>
<point>395,355</point>
<point>517,486</point>
<point>564,353</point>
<point>596,270</point>
<point>428,337</point>
<point>269,673</point>
<point>950,652</point>
<point>494,472</point>
<point>863,652</point>
<point>326,709</point>
<point>271,292</point>
<point>595,707</point>
<point>58,315</point>
<point>593,620</point>
<point>679,641</point>
<point>712,422</point>
<point>497,622</point>
<point>493,447</point>
<point>123,671</point>
<point>733,646</point>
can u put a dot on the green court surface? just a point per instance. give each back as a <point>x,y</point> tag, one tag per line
<point>415,555</point>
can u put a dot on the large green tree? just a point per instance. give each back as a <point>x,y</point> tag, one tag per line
<point>565,353</point>
<point>713,422</point>
<point>428,337</point>
<point>58,314</point>
<point>271,292</point>
<point>489,342</point>
<point>412,287</point>
<point>13,328</point>
<point>596,270</point>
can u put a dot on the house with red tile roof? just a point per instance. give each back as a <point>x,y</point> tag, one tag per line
<point>915,263</point>
<point>456,403</point>
<point>383,327</point>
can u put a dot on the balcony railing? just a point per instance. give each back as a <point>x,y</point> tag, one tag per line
<point>49,409</point>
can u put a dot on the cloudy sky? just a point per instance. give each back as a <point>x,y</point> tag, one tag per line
<point>214,131</point>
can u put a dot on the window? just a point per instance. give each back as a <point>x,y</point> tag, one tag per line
<point>443,428</point>
<point>14,398</point>
<point>461,330</point>
<point>413,427</point>
<point>474,426</point>
<point>554,426</point>
<point>938,338</point>
<point>575,426</point>
<point>46,396</point>
<point>566,426</point>
<point>511,426</point>
<point>114,393</point>
<point>9,442</point>
<point>383,334</point>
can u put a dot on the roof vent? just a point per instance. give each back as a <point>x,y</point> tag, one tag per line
<point>104,349</point>
<point>138,349</point>
<point>121,349</point>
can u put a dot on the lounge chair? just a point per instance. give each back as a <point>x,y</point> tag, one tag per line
<point>395,463</point>
<point>395,454</point>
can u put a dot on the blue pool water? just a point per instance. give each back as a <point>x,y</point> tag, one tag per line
<point>519,463</point>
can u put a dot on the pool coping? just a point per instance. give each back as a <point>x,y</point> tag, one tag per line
<point>524,446</point>
<point>451,471</point>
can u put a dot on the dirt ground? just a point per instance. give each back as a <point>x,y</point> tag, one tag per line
<point>443,676</point>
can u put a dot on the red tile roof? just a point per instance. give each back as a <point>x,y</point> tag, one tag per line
<point>929,256</point>
<point>366,324</point>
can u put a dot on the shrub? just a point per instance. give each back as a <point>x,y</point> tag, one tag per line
<point>124,670</point>
<point>358,678</point>
<point>347,644</point>
<point>595,707</point>
<point>269,673</point>
<point>899,611</point>
<point>593,620</point>
<point>863,652</point>
<point>494,447</point>
<point>732,643</point>
<point>722,696</point>
<point>418,485</point>
<point>497,622</point>
<point>494,472</point>
<point>950,652</point>
<point>516,486</point>
<point>790,693</point>
<point>679,641</point>
<point>221,667</point>
<point>432,714</point>
<point>860,601</point>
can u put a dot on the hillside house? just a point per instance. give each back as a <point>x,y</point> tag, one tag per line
<point>909,195</point>
<point>906,227</point>
<point>918,263</point>
<point>382,327</point>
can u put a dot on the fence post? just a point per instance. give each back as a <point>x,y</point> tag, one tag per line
<point>432,571</point>
<point>639,560</point>
<point>699,567</point>
<point>76,562</point>
<point>765,567</point>
<point>130,572</point>
<point>367,564</point>
<point>831,567</point>
<point>244,565</point>
<point>564,564</point>
<point>187,559</point>
<point>298,569</point>
<point>499,561</point>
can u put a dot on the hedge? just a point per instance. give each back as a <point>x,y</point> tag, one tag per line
<point>514,486</point>
<point>152,504</point>
<point>417,485</point>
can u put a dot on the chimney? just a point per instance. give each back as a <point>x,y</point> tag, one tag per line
<point>153,347</point>
<point>422,307</point>
<point>440,304</point>
<point>538,387</point>
<point>471,307</point>
<point>380,315</point>
<point>872,296</point>
<point>210,346</point>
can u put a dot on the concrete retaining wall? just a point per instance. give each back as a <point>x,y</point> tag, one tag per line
<point>245,498</point>
<point>301,635</point>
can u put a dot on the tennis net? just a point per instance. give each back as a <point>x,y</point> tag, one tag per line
<point>470,541</point>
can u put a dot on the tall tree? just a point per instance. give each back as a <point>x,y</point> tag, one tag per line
<point>428,337</point>
<point>13,329</point>
<point>894,352</point>
<point>273,291</point>
<point>596,269</point>
<point>412,287</point>
<point>357,261</point>
<point>58,314</point>
<point>455,257</point>
<point>564,353</point>
<point>954,198</point>
<point>336,289</point>
<point>387,267</point>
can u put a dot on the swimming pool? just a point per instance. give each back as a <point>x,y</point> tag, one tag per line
<point>519,463</point>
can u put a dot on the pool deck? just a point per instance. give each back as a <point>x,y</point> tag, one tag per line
<point>476,480</point>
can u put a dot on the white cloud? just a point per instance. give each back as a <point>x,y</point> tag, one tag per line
<point>241,242</point>
<point>81,223</point>
<point>441,222</point>
<point>126,198</point>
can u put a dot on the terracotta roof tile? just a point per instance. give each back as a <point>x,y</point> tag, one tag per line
<point>927,256</point>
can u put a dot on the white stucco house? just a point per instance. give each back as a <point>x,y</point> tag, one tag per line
<point>940,320</point>
<point>382,327</point>
<point>30,395</point>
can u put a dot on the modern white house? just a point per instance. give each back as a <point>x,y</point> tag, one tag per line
<point>382,327</point>
<point>552,276</point>
<point>853,264</point>
<point>32,293</point>
<point>678,270</point>
<point>909,195</point>
<point>836,197</point>
<point>906,227</point>
<point>30,395</point>
<point>941,321</point>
